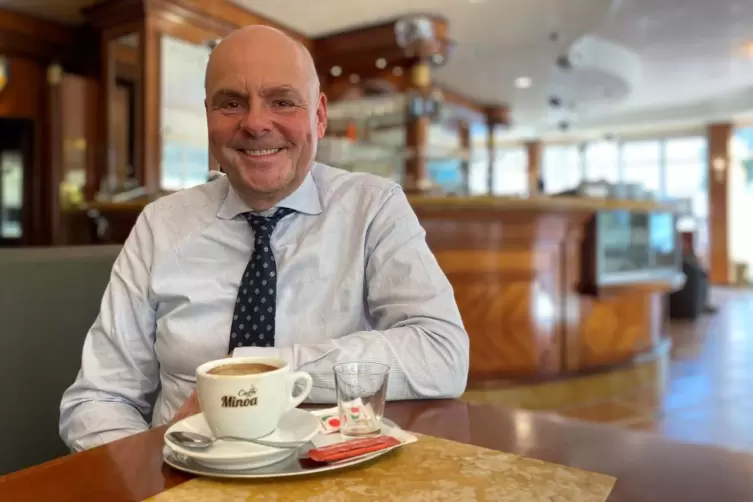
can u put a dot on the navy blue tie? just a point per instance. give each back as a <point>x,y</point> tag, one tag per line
<point>254,316</point>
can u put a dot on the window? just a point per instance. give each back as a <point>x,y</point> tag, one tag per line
<point>561,168</point>
<point>686,172</point>
<point>602,161</point>
<point>478,175</point>
<point>641,164</point>
<point>510,172</point>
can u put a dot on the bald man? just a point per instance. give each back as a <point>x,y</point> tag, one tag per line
<point>283,257</point>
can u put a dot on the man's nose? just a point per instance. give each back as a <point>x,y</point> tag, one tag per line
<point>257,120</point>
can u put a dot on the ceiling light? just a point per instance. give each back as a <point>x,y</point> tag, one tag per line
<point>397,71</point>
<point>381,63</point>
<point>749,49</point>
<point>523,82</point>
<point>354,79</point>
<point>336,71</point>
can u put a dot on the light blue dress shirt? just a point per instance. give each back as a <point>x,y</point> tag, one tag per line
<point>356,281</point>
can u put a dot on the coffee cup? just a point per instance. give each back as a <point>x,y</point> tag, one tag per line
<point>247,396</point>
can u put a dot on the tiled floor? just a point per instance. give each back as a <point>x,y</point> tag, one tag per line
<point>702,392</point>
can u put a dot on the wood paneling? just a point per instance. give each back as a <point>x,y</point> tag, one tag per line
<point>29,37</point>
<point>25,96</point>
<point>356,50</point>
<point>218,16</point>
<point>34,46</point>
<point>26,83</point>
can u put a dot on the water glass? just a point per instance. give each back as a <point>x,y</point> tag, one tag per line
<point>361,392</point>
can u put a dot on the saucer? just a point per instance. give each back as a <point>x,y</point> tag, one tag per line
<point>295,425</point>
<point>291,465</point>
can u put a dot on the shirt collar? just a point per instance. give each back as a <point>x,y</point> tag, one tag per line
<point>305,199</point>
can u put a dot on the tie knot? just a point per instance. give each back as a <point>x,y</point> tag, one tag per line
<point>263,226</point>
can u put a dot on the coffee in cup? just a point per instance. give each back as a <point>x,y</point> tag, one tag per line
<point>241,369</point>
<point>247,396</point>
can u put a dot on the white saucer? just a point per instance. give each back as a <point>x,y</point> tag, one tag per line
<point>295,425</point>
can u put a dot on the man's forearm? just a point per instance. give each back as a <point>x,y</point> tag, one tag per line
<point>423,363</point>
<point>92,424</point>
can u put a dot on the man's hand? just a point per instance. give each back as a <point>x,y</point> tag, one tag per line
<point>190,407</point>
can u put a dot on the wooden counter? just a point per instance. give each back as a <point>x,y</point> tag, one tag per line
<point>524,273</point>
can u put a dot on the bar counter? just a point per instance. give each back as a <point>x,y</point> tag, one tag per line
<point>525,272</point>
<point>526,277</point>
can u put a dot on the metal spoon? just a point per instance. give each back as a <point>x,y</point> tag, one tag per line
<point>196,441</point>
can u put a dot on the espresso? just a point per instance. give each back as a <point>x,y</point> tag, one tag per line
<point>241,369</point>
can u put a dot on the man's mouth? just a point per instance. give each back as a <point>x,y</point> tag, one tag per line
<point>260,153</point>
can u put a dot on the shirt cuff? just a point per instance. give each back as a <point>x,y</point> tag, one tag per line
<point>284,353</point>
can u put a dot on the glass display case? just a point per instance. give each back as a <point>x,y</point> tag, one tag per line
<point>631,246</point>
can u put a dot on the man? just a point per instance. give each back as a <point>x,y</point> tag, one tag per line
<point>283,257</point>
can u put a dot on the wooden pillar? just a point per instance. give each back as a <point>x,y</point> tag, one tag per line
<point>464,132</point>
<point>533,151</point>
<point>99,169</point>
<point>417,132</point>
<point>149,116</point>
<point>719,136</point>
<point>496,116</point>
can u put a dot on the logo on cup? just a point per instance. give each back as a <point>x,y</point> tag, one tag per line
<point>245,399</point>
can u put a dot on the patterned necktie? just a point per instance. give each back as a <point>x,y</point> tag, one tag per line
<point>254,316</point>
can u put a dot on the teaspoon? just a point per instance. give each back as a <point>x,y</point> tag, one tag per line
<point>197,441</point>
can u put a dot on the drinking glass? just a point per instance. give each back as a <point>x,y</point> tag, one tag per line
<point>361,392</point>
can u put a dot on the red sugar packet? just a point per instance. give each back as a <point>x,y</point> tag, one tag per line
<point>352,448</point>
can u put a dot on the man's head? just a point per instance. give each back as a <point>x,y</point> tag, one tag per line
<point>265,113</point>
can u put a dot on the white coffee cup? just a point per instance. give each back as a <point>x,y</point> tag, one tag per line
<point>248,405</point>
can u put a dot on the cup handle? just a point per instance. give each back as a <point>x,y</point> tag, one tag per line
<point>308,383</point>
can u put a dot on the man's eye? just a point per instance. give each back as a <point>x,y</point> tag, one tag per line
<point>231,105</point>
<point>284,103</point>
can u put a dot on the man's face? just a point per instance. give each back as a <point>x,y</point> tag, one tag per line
<point>265,116</point>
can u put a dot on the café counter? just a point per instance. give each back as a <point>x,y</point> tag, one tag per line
<point>547,286</point>
<point>553,286</point>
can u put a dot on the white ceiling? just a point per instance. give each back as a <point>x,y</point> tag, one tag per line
<point>692,64</point>
<point>686,58</point>
<point>497,40</point>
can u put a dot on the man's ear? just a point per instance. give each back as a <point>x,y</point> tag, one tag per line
<point>321,116</point>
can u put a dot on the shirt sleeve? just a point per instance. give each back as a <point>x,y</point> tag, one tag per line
<point>418,329</point>
<point>119,370</point>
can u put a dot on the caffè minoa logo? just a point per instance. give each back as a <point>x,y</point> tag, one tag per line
<point>245,398</point>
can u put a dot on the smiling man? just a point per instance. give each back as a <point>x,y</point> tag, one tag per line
<point>283,257</point>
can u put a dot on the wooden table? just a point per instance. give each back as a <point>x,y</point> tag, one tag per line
<point>648,468</point>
